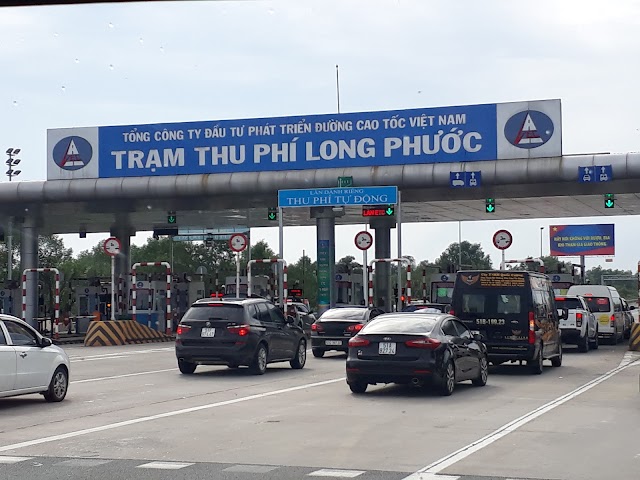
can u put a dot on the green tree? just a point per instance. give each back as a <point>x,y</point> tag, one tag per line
<point>472,257</point>
<point>628,289</point>
<point>260,250</point>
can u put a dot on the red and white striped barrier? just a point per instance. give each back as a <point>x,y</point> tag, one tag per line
<point>284,278</point>
<point>134,267</point>
<point>389,260</point>
<point>56,318</point>
<point>424,285</point>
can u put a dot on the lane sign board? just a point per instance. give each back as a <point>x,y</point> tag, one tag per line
<point>595,174</point>
<point>336,197</point>
<point>465,179</point>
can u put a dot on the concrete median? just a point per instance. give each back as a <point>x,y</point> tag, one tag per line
<point>122,332</point>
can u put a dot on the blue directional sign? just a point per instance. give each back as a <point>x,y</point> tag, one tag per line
<point>335,197</point>
<point>465,179</point>
<point>595,174</point>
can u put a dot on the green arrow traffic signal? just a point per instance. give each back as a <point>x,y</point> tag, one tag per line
<point>390,210</point>
<point>609,201</point>
<point>273,214</point>
<point>490,205</point>
<point>172,218</point>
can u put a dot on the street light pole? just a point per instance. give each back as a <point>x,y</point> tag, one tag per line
<point>11,162</point>
<point>541,230</point>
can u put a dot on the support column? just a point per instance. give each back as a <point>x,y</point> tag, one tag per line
<point>29,259</point>
<point>123,264</point>
<point>382,282</point>
<point>326,256</point>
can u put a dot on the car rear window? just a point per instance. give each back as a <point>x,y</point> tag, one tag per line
<point>569,303</point>
<point>492,303</point>
<point>406,325</point>
<point>598,304</point>
<point>217,311</point>
<point>344,314</point>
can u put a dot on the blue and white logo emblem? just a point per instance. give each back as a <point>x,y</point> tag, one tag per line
<point>72,153</point>
<point>529,129</point>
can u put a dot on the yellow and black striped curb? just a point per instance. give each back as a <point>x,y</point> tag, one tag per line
<point>634,341</point>
<point>121,332</point>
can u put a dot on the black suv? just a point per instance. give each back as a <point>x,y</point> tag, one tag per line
<point>235,332</point>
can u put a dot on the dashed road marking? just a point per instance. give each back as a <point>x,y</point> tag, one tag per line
<point>251,469</point>
<point>10,460</point>
<point>125,375</point>
<point>165,465</point>
<point>327,472</point>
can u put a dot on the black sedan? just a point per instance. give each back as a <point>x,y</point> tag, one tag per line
<point>335,326</point>
<point>416,349</point>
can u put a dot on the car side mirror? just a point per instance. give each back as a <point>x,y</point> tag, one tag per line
<point>290,320</point>
<point>477,337</point>
<point>632,307</point>
<point>45,342</point>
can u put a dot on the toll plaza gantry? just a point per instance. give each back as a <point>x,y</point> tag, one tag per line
<point>445,163</point>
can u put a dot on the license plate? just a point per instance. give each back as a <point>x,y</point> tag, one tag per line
<point>333,342</point>
<point>387,348</point>
<point>208,332</point>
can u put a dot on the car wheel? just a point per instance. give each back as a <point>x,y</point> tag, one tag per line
<point>259,364</point>
<point>358,387</point>
<point>583,345</point>
<point>301,356</point>
<point>317,352</point>
<point>481,380</point>
<point>448,380</point>
<point>58,386</point>
<point>595,343</point>
<point>186,367</point>
<point>536,364</point>
<point>557,361</point>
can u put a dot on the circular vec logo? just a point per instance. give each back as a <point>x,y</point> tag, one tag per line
<point>72,153</point>
<point>529,129</point>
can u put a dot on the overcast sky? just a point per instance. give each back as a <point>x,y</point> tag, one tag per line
<point>136,63</point>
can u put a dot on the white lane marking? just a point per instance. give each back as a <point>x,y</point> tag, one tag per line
<point>173,413</point>
<point>464,452</point>
<point>165,465</point>
<point>125,353</point>
<point>251,469</point>
<point>326,472</point>
<point>628,358</point>
<point>10,460</point>
<point>124,375</point>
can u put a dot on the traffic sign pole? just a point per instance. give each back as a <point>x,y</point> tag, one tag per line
<point>113,287</point>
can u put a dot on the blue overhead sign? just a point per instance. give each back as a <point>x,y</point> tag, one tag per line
<point>336,197</point>
<point>601,173</point>
<point>465,179</point>
<point>397,137</point>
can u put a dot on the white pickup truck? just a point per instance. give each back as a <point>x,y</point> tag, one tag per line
<point>580,327</point>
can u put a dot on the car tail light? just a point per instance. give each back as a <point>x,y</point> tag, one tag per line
<point>613,320</point>
<point>578,319</point>
<point>425,343</point>
<point>241,330</point>
<point>358,342</point>
<point>182,329</point>
<point>532,328</point>
<point>452,312</point>
<point>355,328</point>
<point>317,327</point>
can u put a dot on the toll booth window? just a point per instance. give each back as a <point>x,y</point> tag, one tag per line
<point>473,303</point>
<point>598,304</point>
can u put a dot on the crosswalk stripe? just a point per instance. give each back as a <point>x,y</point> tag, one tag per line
<point>165,465</point>
<point>326,472</point>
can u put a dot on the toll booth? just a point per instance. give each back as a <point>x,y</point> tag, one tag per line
<point>561,282</point>
<point>148,310</point>
<point>441,287</point>
<point>184,293</point>
<point>349,289</point>
<point>11,301</point>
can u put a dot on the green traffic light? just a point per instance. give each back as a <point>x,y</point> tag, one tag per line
<point>490,205</point>
<point>172,219</point>
<point>609,201</point>
<point>390,211</point>
<point>273,214</point>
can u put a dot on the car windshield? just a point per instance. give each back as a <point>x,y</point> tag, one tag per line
<point>406,325</point>
<point>344,314</point>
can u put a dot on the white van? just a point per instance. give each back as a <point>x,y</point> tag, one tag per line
<point>606,305</point>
